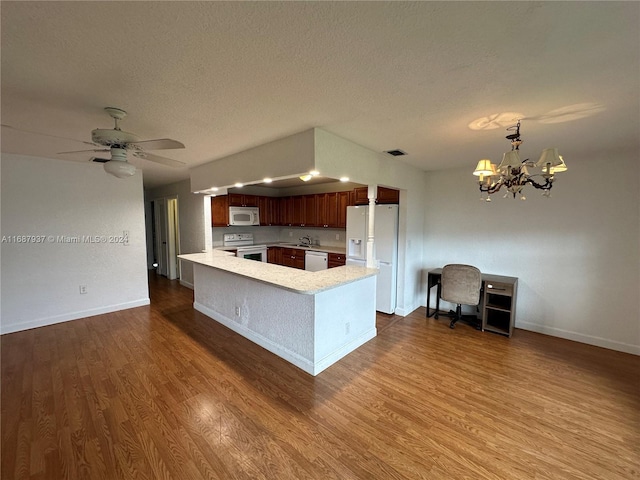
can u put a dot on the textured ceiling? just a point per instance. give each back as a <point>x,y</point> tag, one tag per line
<point>426,77</point>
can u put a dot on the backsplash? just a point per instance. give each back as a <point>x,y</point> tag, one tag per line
<point>320,236</point>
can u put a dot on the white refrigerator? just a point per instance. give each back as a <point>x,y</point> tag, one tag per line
<point>385,233</point>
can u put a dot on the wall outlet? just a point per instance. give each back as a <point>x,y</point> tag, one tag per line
<point>347,328</point>
<point>237,311</point>
<point>337,236</point>
<point>291,234</point>
<point>83,289</point>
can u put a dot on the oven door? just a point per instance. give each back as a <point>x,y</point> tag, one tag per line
<point>258,254</point>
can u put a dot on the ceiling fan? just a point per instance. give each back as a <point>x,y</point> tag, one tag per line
<point>119,142</point>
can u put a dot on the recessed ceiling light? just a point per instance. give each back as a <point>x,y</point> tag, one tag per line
<point>238,185</point>
<point>267,180</point>
<point>396,153</point>
<point>305,178</point>
<point>314,173</point>
<point>344,179</point>
<point>214,189</point>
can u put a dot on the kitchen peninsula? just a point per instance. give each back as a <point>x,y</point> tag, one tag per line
<point>310,319</point>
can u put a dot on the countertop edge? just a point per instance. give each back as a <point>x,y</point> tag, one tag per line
<point>316,282</point>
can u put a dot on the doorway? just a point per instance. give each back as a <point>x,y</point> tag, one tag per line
<point>166,237</point>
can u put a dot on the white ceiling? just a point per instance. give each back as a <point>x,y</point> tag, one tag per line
<point>222,77</point>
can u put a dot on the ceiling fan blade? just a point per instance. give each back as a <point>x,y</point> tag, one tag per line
<point>84,151</point>
<point>47,135</point>
<point>158,159</point>
<point>157,144</point>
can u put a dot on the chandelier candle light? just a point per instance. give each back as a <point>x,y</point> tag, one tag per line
<point>513,173</point>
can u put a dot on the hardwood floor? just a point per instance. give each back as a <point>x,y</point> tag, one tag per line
<point>163,392</point>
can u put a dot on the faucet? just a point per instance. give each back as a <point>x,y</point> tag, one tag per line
<point>306,241</point>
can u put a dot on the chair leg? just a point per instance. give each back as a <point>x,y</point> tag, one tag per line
<point>457,317</point>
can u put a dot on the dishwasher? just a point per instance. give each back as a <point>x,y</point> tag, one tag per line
<point>315,261</point>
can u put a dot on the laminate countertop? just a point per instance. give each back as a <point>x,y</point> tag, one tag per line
<point>292,279</point>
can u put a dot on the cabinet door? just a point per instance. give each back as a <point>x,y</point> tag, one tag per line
<point>235,199</point>
<point>343,201</point>
<point>297,210</point>
<point>331,216</point>
<point>360,196</point>
<point>274,255</point>
<point>241,200</point>
<point>388,195</point>
<point>220,211</point>
<point>336,260</point>
<point>309,217</point>
<point>286,210</point>
<point>269,214</point>
<point>250,200</point>
<point>321,209</point>
<point>298,261</point>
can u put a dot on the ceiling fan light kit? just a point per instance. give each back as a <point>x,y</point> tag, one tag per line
<point>119,168</point>
<point>513,173</point>
<point>118,142</point>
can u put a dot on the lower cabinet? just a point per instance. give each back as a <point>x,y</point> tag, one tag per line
<point>274,255</point>
<point>336,260</point>
<point>293,257</point>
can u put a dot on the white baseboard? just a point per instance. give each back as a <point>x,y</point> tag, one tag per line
<point>580,337</point>
<point>65,317</point>
<point>343,351</point>
<point>186,284</point>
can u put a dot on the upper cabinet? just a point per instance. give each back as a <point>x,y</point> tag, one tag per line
<point>384,195</point>
<point>324,210</point>
<point>269,211</point>
<point>331,209</point>
<point>220,211</point>
<point>241,200</point>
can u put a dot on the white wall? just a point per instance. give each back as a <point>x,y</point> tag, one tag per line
<point>576,254</point>
<point>51,198</point>
<point>336,156</point>
<point>193,210</point>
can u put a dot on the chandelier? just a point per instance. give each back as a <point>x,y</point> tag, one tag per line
<point>513,173</point>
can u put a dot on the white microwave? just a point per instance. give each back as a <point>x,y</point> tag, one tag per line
<point>243,216</point>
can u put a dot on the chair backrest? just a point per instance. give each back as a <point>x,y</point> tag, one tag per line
<point>461,284</point>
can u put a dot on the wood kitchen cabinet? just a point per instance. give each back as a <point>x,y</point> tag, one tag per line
<point>286,211</point>
<point>269,211</point>
<point>242,200</point>
<point>384,196</point>
<point>220,211</point>
<point>309,214</point>
<point>293,257</point>
<point>274,255</point>
<point>331,209</point>
<point>328,210</point>
<point>336,260</point>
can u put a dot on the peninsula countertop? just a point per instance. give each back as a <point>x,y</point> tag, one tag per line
<point>295,280</point>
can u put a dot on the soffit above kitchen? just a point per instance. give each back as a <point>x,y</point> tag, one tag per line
<point>438,80</point>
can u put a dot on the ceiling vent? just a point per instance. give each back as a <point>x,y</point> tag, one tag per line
<point>396,153</point>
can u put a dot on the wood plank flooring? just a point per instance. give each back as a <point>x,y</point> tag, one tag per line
<point>163,392</point>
